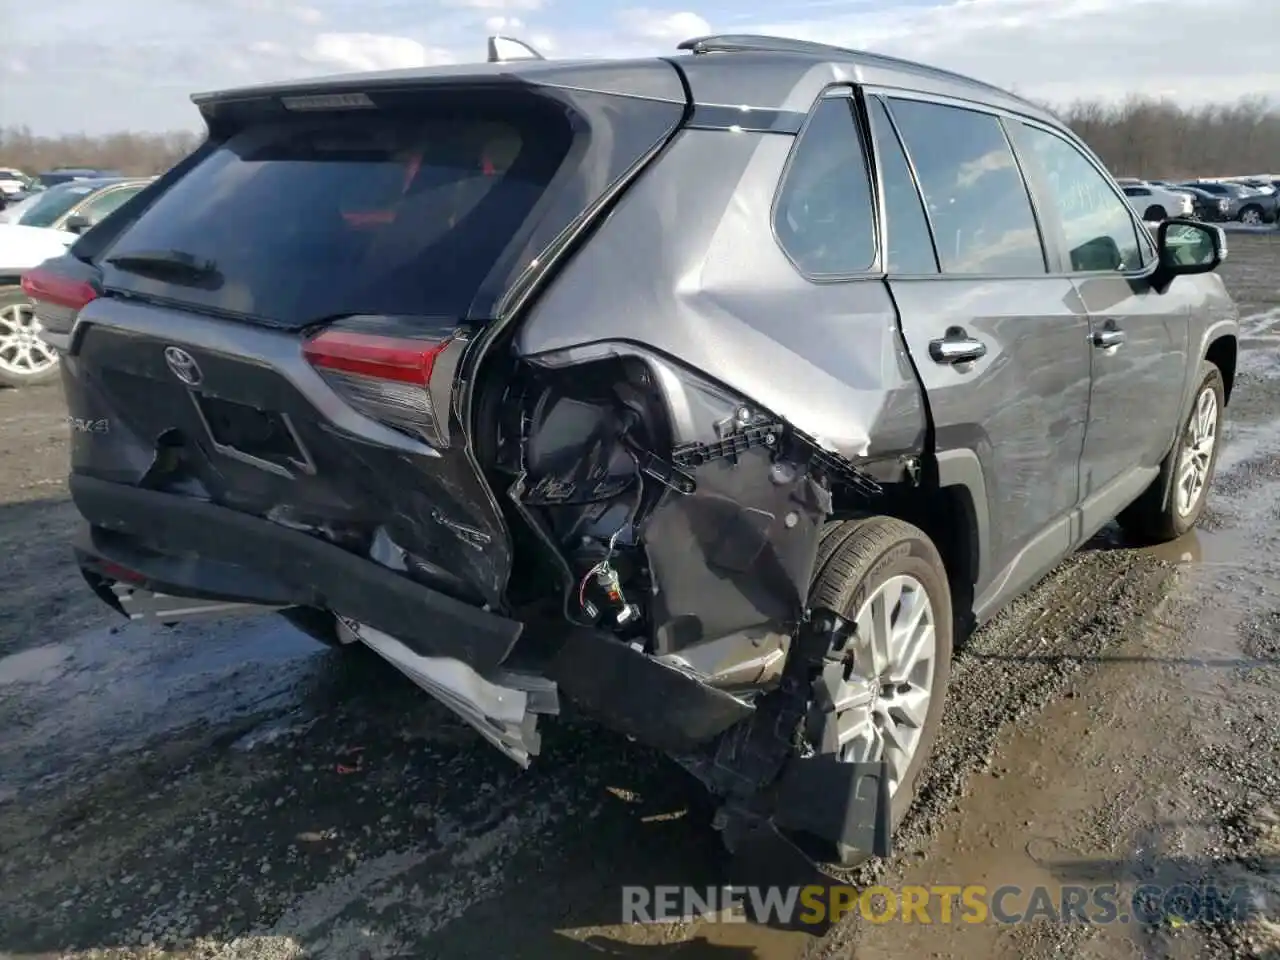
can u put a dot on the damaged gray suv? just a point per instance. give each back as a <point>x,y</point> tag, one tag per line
<point>715,394</point>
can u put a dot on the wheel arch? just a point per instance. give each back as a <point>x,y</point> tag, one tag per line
<point>950,506</point>
<point>1223,352</point>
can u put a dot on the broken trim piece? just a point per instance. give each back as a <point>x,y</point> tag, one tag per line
<point>139,603</point>
<point>506,716</point>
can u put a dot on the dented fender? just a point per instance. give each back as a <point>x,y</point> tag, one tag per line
<point>721,297</point>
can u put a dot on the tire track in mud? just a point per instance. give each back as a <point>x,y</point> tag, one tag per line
<point>1008,672</point>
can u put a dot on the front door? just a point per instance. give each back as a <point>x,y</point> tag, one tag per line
<point>1138,336</point>
<point>1000,343</point>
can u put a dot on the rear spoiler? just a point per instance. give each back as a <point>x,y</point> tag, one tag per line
<point>506,49</point>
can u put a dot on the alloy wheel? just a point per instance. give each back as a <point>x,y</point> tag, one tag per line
<point>873,693</point>
<point>1197,452</point>
<point>22,350</point>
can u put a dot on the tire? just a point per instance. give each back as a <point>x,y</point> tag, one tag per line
<point>25,359</point>
<point>1251,215</point>
<point>858,559</point>
<point>1153,518</point>
<point>1155,214</point>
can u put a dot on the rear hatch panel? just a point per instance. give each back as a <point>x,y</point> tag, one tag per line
<point>264,216</point>
<point>263,433</point>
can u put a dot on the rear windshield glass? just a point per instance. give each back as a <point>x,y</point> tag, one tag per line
<point>316,218</point>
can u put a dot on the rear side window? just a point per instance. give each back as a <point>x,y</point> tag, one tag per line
<point>1098,226</point>
<point>908,246</point>
<point>315,218</point>
<point>977,200</point>
<point>824,217</point>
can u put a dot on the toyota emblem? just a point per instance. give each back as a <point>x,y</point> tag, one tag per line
<point>183,365</point>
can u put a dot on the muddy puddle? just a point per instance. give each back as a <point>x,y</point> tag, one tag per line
<point>67,707</point>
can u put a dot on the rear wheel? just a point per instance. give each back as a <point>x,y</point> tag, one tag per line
<point>25,359</point>
<point>1251,215</point>
<point>880,696</point>
<point>1186,472</point>
<point>1155,214</point>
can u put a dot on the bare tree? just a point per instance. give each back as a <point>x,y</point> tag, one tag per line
<point>1145,137</point>
<point>133,153</point>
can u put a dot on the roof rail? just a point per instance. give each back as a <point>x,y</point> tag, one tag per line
<point>506,49</point>
<point>742,42</point>
<point>748,42</point>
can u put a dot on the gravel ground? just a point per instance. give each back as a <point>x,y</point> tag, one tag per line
<point>234,791</point>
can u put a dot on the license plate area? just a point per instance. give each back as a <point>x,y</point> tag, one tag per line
<point>265,439</point>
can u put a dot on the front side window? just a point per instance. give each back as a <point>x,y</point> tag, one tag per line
<point>978,203</point>
<point>104,203</point>
<point>908,246</point>
<point>824,218</point>
<point>1099,227</point>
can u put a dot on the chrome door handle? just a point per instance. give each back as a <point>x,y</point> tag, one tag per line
<point>1108,337</point>
<point>957,348</point>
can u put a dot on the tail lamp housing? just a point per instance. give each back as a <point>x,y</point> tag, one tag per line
<point>402,380</point>
<point>59,294</point>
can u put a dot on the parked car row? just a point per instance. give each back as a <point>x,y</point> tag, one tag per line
<point>1248,200</point>
<point>16,185</point>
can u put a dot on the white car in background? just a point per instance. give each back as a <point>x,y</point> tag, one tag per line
<point>1155,203</point>
<point>25,358</point>
<point>32,231</point>
<point>12,181</point>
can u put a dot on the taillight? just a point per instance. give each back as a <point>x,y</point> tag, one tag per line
<point>58,298</point>
<point>45,286</point>
<point>397,381</point>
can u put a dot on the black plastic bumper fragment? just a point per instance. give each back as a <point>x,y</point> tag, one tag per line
<point>190,547</point>
<point>831,807</point>
<point>636,695</point>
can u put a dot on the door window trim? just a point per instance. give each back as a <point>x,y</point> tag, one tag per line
<point>1142,234</point>
<point>849,93</point>
<point>1052,236</point>
<point>1048,244</point>
<point>883,209</point>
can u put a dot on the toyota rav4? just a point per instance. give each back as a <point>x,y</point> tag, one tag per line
<point>716,394</point>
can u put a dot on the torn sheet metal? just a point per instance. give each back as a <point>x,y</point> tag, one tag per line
<point>503,715</point>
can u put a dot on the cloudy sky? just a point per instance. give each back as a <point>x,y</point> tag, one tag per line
<point>101,65</point>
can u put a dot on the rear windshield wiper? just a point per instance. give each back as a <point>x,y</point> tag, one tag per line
<point>175,266</point>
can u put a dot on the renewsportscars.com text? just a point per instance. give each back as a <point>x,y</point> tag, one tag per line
<point>971,903</point>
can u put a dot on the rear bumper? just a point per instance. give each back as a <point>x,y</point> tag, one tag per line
<point>189,547</point>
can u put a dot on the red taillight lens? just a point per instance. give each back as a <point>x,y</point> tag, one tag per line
<point>386,378</point>
<point>45,286</point>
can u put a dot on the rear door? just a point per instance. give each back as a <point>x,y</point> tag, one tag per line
<point>1138,335</point>
<point>999,340</point>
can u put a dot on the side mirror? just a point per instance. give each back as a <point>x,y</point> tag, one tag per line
<point>1188,247</point>
<point>78,223</point>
